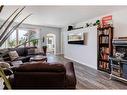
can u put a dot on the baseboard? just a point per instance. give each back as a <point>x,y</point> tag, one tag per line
<point>81,62</point>
<point>59,54</point>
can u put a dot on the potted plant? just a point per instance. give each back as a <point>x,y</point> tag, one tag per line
<point>34,42</point>
<point>44,49</point>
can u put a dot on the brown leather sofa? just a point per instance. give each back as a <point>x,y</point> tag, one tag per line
<point>43,76</point>
<point>24,54</point>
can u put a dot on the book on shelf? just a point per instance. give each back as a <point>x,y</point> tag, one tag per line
<point>104,65</point>
<point>104,40</point>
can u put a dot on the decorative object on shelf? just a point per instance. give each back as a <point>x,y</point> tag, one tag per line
<point>107,20</point>
<point>98,23</point>
<point>105,49</point>
<point>94,24</point>
<point>87,25</point>
<point>90,24</point>
<point>44,49</point>
<point>70,28</point>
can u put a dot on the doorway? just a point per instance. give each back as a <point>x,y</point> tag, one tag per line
<point>51,43</point>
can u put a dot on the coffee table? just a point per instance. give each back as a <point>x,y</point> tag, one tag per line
<point>39,58</point>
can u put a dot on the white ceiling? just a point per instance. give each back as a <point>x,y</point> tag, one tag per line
<point>59,16</point>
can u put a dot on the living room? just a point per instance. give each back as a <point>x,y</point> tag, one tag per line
<point>60,47</point>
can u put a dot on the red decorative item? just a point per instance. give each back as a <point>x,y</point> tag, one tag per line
<point>107,20</point>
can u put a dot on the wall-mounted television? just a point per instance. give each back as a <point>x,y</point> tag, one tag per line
<point>77,38</point>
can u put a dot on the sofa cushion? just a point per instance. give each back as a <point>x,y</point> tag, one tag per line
<point>22,51</point>
<point>13,55</point>
<point>37,67</point>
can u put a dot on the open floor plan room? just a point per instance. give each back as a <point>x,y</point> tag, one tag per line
<point>63,47</point>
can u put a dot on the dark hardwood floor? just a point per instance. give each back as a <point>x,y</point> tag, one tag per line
<point>88,78</point>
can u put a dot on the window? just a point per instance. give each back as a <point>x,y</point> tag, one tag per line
<point>12,40</point>
<point>22,36</point>
<point>17,37</point>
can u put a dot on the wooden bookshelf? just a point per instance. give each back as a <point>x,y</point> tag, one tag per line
<point>105,48</point>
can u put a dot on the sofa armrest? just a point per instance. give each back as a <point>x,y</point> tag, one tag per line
<point>70,75</point>
<point>8,71</point>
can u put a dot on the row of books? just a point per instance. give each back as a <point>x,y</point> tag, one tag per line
<point>105,32</point>
<point>104,40</point>
<point>104,65</point>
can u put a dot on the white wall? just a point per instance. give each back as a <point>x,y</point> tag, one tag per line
<point>84,54</point>
<point>87,55</point>
<point>120,23</point>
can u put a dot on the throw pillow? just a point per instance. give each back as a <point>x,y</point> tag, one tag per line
<point>13,55</point>
<point>4,64</point>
